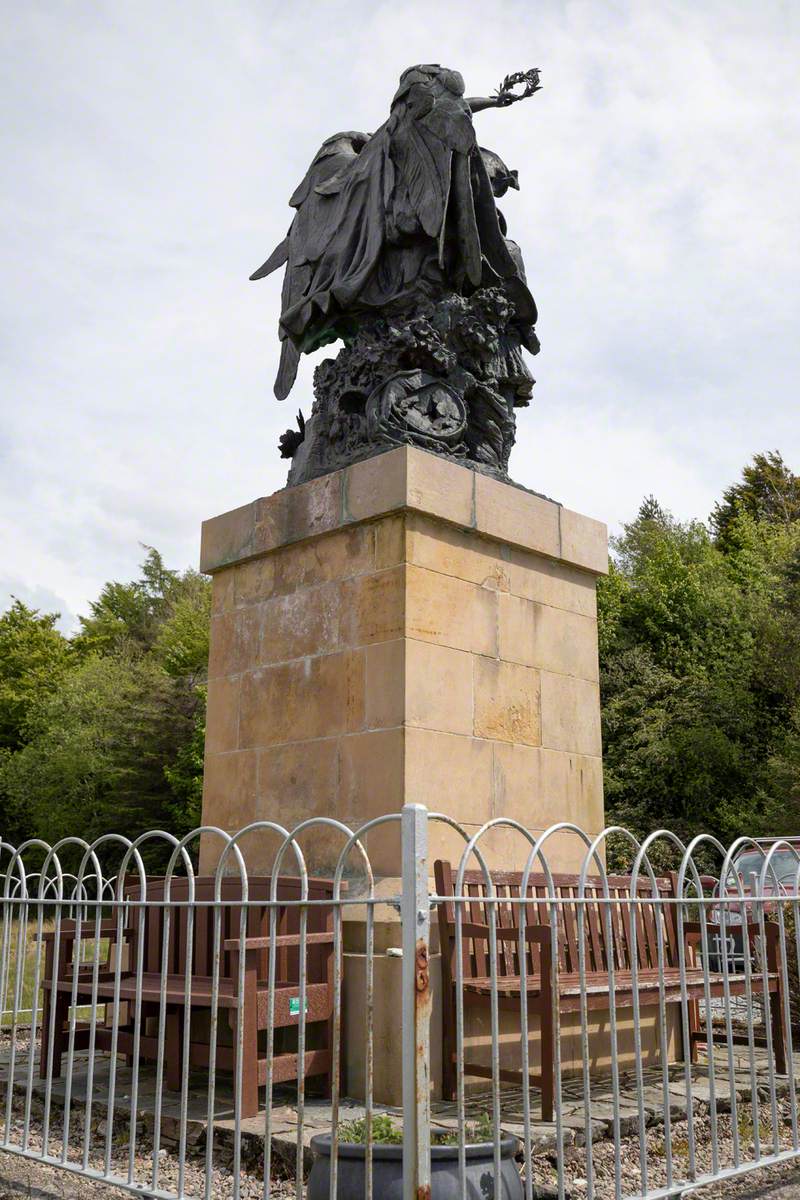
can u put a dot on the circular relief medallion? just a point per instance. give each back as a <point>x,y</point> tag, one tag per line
<point>413,406</point>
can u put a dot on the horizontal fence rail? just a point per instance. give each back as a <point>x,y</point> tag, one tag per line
<point>267,1013</point>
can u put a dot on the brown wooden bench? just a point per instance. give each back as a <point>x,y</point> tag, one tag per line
<point>477,968</point>
<point>148,923</point>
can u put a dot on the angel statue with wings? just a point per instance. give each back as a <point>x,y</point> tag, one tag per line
<point>398,250</point>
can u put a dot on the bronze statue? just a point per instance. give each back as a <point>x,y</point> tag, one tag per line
<point>398,249</point>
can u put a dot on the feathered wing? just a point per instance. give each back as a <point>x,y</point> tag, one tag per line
<point>295,252</point>
<point>287,369</point>
<point>278,258</point>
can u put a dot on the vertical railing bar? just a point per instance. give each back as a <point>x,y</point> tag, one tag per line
<point>796,918</point>
<point>87,1110</point>
<point>614,1039</point>
<point>748,976</point>
<point>415,908</point>
<point>524,1035</point>
<point>271,970</point>
<point>212,1047</point>
<point>726,993</point>
<point>186,1039</point>
<point>460,1081</point>
<point>369,1047</point>
<point>664,1039</point>
<point>336,1063</point>
<point>73,1021</point>
<point>688,1044</point>
<point>637,1037</point>
<point>301,1048</point>
<point>587,1087</point>
<point>122,907</point>
<point>711,1070</point>
<point>760,903</point>
<point>271,975</point>
<point>37,962</point>
<point>5,950</point>
<point>162,1029</point>
<point>783,980</point>
<point>239,1049</point>
<point>556,1016</point>
<point>491,901</point>
<point>18,985</point>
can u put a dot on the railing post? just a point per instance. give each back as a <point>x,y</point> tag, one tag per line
<point>416,1005</point>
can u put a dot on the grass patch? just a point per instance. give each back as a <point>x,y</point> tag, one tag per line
<point>24,962</point>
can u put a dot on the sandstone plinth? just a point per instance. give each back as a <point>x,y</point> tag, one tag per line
<point>404,630</point>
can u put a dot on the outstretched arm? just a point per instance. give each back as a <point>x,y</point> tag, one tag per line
<point>505,94</point>
<point>478,103</point>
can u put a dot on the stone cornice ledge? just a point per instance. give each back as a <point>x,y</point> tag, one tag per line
<point>405,478</point>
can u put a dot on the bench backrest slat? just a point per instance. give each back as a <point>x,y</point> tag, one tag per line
<point>287,958</point>
<point>593,914</point>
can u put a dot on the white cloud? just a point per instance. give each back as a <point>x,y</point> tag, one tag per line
<point>153,148</point>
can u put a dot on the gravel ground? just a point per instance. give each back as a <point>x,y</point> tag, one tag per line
<point>39,1181</point>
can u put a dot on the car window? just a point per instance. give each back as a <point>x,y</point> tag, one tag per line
<point>783,863</point>
<point>747,865</point>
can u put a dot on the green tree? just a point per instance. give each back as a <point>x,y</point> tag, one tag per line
<point>107,732</point>
<point>768,492</point>
<point>102,747</point>
<point>700,674</point>
<point>129,615</point>
<point>34,658</point>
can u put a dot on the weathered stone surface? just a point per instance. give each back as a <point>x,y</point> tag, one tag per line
<point>539,635</point>
<point>372,607</point>
<point>371,774</point>
<point>307,698</point>
<point>222,714</point>
<point>386,684</point>
<point>450,612</point>
<point>570,714</point>
<point>516,516</point>
<point>584,540</point>
<point>446,769</point>
<point>438,687</point>
<point>398,481</point>
<point>539,787</point>
<point>507,702</point>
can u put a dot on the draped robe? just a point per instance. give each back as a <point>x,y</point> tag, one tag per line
<point>414,210</point>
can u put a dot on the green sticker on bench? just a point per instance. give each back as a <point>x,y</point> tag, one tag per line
<point>294,1006</point>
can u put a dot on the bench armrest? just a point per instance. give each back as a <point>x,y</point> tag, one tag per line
<point>283,939</point>
<point>533,933</point>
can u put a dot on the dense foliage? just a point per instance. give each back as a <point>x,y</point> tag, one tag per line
<point>700,675</point>
<point>700,664</point>
<point>103,732</point>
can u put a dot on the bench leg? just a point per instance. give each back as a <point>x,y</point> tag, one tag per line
<point>547,1066</point>
<point>449,1078</point>
<point>690,1052</point>
<point>59,1038</point>
<point>778,1032</point>
<point>44,1033</point>
<point>173,1037</point>
<point>248,1016</point>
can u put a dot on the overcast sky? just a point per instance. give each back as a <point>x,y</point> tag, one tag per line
<point>149,149</point>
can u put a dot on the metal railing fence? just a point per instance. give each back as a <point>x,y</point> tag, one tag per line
<point>181,1034</point>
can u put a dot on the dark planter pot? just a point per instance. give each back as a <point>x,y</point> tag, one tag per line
<point>387,1171</point>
